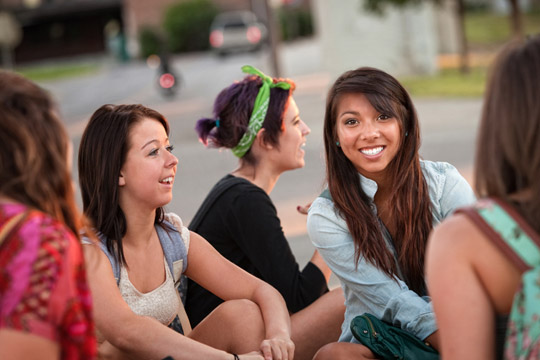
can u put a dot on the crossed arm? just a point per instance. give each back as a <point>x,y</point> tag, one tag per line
<point>146,337</point>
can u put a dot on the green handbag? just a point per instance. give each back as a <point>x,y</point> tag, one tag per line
<point>390,342</point>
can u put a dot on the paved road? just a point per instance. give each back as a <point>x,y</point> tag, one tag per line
<point>448,125</point>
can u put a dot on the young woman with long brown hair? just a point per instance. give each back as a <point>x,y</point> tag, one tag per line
<point>127,172</point>
<point>372,223</point>
<point>471,275</point>
<point>45,303</point>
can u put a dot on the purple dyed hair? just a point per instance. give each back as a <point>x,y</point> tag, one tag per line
<point>233,107</point>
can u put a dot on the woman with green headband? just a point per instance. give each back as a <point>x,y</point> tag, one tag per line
<point>258,119</point>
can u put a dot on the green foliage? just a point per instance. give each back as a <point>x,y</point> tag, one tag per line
<point>473,6</point>
<point>150,42</point>
<point>448,83</point>
<point>379,6</point>
<point>295,23</point>
<point>188,25</point>
<point>487,28</point>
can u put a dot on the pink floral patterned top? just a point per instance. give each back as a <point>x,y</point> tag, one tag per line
<point>43,288</point>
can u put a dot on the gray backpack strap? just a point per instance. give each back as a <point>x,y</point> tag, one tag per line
<point>114,264</point>
<point>173,245</point>
<point>175,250</point>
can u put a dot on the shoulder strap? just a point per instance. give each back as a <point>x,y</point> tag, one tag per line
<point>182,316</point>
<point>10,225</point>
<point>507,229</point>
<point>172,244</point>
<point>218,190</point>
<point>114,264</point>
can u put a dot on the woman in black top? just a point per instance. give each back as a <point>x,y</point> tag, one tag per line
<point>257,118</point>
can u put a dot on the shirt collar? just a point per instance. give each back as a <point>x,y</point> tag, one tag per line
<point>369,186</point>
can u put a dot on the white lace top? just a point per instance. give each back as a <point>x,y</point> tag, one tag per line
<point>161,303</point>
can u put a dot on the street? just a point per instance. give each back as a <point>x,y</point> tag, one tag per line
<point>448,125</point>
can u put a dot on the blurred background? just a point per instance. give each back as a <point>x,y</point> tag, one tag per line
<point>176,55</point>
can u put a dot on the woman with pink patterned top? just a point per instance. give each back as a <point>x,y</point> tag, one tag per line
<point>45,304</point>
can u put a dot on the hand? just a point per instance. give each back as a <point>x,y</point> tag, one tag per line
<point>278,348</point>
<point>254,355</point>
<point>303,209</point>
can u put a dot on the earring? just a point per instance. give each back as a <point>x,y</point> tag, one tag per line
<point>406,133</point>
<point>337,143</point>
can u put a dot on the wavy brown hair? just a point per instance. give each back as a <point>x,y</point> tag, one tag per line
<point>102,153</point>
<point>411,206</point>
<point>507,155</point>
<point>34,168</point>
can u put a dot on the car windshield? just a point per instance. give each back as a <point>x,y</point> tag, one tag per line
<point>235,24</point>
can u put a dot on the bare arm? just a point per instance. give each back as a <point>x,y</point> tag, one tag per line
<point>17,345</point>
<point>142,336</point>
<point>227,281</point>
<point>464,312</point>
<point>318,261</point>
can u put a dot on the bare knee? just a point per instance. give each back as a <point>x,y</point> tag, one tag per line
<point>239,311</point>
<point>340,350</point>
<point>327,352</point>
<point>242,316</point>
<point>234,326</point>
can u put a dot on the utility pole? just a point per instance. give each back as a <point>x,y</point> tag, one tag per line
<point>274,33</point>
<point>10,37</point>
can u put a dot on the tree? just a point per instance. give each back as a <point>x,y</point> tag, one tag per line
<point>516,19</point>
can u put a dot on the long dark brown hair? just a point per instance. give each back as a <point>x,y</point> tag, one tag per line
<point>508,148</point>
<point>411,207</point>
<point>34,168</point>
<point>102,153</point>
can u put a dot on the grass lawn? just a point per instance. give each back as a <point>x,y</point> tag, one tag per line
<point>53,72</point>
<point>486,29</point>
<point>448,83</point>
<point>486,33</point>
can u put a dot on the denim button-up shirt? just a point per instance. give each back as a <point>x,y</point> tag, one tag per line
<point>366,288</point>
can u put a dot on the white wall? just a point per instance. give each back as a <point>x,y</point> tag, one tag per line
<point>402,41</point>
<point>447,24</point>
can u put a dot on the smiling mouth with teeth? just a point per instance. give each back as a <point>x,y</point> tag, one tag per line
<point>167,180</point>
<point>372,151</point>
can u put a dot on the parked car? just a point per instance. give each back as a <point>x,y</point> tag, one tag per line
<point>237,31</point>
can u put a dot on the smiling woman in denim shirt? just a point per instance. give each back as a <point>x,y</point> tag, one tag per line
<point>372,223</point>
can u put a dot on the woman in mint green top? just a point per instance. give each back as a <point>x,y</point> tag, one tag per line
<point>471,274</point>
<point>371,225</point>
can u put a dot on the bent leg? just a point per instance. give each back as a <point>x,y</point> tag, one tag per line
<point>318,324</point>
<point>345,351</point>
<point>235,326</point>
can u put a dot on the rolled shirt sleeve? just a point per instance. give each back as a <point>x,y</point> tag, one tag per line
<point>448,189</point>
